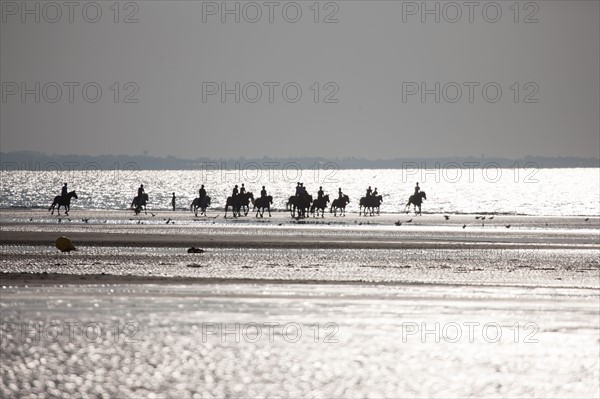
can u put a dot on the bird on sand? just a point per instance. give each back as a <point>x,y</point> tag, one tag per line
<point>464,225</point>
<point>587,219</point>
<point>64,244</point>
<point>507,226</point>
<point>168,220</point>
<point>408,221</point>
<point>477,217</point>
<point>447,217</point>
<point>398,223</point>
<point>152,214</point>
<point>491,217</point>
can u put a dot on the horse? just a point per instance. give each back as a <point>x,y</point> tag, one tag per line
<point>319,203</point>
<point>339,203</point>
<point>200,203</point>
<point>372,202</point>
<point>139,203</point>
<point>261,203</point>
<point>416,200</point>
<point>300,203</point>
<point>238,203</point>
<point>63,201</point>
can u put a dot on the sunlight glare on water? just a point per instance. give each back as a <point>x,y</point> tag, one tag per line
<point>566,191</point>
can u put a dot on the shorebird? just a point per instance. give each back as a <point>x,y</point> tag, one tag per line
<point>447,217</point>
<point>168,220</point>
<point>507,226</point>
<point>64,244</point>
<point>464,225</point>
<point>483,218</point>
<point>85,220</point>
<point>398,223</point>
<point>408,221</point>
<point>152,214</point>
<point>587,219</point>
<point>491,217</point>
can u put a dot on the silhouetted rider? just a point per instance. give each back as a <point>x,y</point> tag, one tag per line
<point>202,192</point>
<point>263,192</point>
<point>242,189</point>
<point>235,191</point>
<point>369,191</point>
<point>320,192</point>
<point>63,191</point>
<point>417,188</point>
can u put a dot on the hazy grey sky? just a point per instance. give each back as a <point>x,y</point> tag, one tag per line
<point>371,61</point>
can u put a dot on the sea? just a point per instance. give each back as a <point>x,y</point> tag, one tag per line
<point>488,190</point>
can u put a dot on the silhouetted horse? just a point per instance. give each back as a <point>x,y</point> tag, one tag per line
<point>201,204</point>
<point>373,203</point>
<point>339,203</point>
<point>319,203</point>
<point>63,201</point>
<point>138,203</point>
<point>263,203</point>
<point>300,203</point>
<point>239,202</point>
<point>416,200</point>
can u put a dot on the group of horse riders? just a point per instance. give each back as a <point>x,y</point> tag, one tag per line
<point>203,200</point>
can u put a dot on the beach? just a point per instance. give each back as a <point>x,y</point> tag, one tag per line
<point>354,306</point>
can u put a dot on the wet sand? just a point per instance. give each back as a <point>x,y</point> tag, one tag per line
<point>362,291</point>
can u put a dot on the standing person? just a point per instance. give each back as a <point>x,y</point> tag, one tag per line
<point>173,202</point>
<point>242,189</point>
<point>63,191</point>
<point>202,192</point>
<point>263,192</point>
<point>235,191</point>
<point>417,188</point>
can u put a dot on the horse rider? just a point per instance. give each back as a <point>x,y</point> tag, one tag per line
<point>263,192</point>
<point>140,192</point>
<point>235,191</point>
<point>303,189</point>
<point>417,188</point>
<point>298,189</point>
<point>375,192</point>
<point>369,192</point>
<point>340,194</point>
<point>202,192</point>
<point>63,191</point>
<point>320,192</point>
<point>242,189</point>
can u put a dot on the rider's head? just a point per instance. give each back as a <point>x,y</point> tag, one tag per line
<point>242,184</point>
<point>263,187</point>
<point>142,185</point>
<point>202,186</point>
<point>236,186</point>
<point>320,187</point>
<point>65,184</point>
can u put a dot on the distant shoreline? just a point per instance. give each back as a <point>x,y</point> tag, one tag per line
<point>32,161</point>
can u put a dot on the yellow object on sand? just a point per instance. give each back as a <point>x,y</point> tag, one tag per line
<point>64,244</point>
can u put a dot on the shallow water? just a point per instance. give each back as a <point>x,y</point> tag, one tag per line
<point>504,191</point>
<point>315,341</point>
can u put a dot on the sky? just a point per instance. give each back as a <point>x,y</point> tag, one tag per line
<point>370,79</point>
